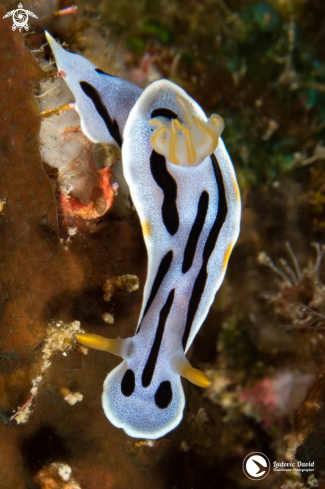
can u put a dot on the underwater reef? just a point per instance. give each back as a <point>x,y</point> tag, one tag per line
<point>73,259</point>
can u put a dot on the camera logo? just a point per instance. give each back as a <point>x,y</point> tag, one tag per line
<point>256,466</point>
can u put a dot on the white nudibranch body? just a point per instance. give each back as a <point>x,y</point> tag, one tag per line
<point>184,188</point>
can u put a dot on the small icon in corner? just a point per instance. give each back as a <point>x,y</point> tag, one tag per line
<point>20,18</point>
<point>256,466</point>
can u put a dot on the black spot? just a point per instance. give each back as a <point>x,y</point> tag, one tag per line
<point>210,244</point>
<point>152,359</point>
<point>168,185</point>
<point>103,73</point>
<point>111,125</point>
<point>164,395</point>
<point>163,112</point>
<point>128,383</point>
<point>196,230</point>
<point>161,273</point>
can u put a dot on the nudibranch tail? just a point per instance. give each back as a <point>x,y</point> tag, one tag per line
<point>119,347</point>
<point>185,143</point>
<point>182,367</point>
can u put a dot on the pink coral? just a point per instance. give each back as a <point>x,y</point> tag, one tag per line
<point>272,398</point>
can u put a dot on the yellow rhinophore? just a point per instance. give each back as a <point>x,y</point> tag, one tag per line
<point>186,143</point>
<point>116,346</point>
<point>182,367</point>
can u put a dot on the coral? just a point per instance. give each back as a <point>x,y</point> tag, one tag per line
<point>262,55</point>
<point>43,284</point>
<point>127,283</point>
<point>85,191</point>
<point>314,194</point>
<point>306,443</point>
<point>300,303</point>
<point>268,400</point>
<point>273,398</point>
<point>56,476</point>
<point>108,318</point>
<point>312,481</point>
<point>29,233</point>
<point>60,338</point>
<point>71,397</point>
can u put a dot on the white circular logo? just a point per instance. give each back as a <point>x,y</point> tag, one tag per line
<point>256,466</point>
<point>20,17</point>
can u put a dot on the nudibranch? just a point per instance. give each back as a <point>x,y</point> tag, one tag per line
<point>94,91</point>
<point>184,188</point>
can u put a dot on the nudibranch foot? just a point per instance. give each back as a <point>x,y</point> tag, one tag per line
<point>182,367</point>
<point>120,347</point>
<point>185,143</point>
